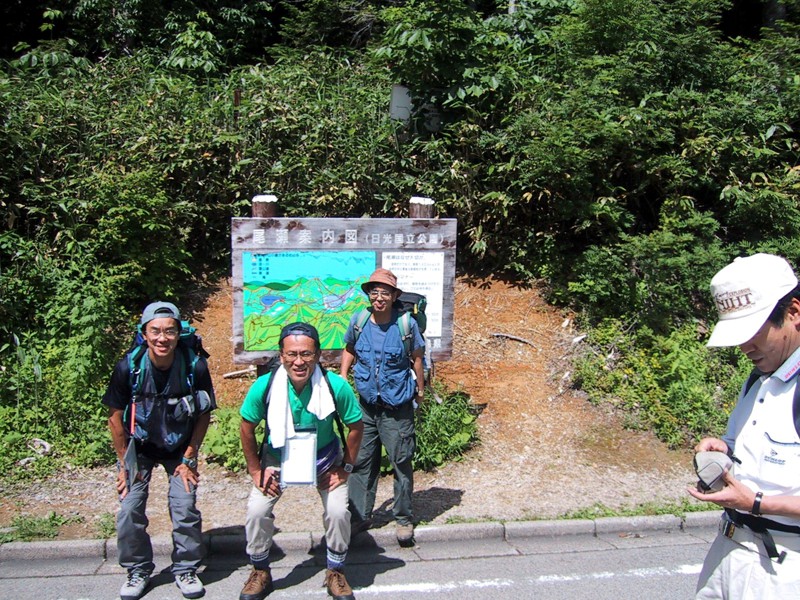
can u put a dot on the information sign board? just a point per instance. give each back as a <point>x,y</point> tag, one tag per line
<point>311,270</point>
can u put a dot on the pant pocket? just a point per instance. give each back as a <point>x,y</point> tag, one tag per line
<point>406,444</point>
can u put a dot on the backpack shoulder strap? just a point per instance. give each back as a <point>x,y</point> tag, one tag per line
<point>361,322</point>
<point>404,323</point>
<point>751,379</point>
<point>265,397</point>
<point>796,405</point>
<point>337,418</point>
<point>135,367</point>
<point>190,358</point>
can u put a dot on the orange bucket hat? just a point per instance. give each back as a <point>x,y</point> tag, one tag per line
<point>380,275</point>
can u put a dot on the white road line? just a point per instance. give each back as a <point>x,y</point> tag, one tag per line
<point>427,588</point>
<point>646,572</point>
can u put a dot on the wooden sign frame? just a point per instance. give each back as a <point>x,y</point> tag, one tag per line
<point>310,269</point>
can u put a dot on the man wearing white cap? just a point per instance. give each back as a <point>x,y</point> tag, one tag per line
<point>757,552</point>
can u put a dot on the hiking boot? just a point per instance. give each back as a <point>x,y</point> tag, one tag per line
<point>337,585</point>
<point>405,534</point>
<point>258,586</point>
<point>190,585</point>
<point>135,586</point>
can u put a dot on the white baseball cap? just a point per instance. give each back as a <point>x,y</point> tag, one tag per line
<point>745,292</point>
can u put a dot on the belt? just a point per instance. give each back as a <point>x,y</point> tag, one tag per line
<point>734,520</point>
<point>381,404</point>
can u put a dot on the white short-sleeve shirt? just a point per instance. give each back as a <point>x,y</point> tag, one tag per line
<point>763,437</point>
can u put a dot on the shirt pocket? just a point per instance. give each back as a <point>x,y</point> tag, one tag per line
<point>393,356</point>
<point>780,460</point>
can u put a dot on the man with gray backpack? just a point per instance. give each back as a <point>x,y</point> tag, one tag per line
<point>386,352</point>
<point>160,399</point>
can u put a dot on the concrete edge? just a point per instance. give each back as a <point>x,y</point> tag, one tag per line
<point>459,531</point>
<point>523,529</point>
<point>234,542</point>
<point>607,525</point>
<point>708,518</point>
<point>53,549</point>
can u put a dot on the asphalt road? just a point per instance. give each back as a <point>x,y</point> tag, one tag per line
<point>654,558</point>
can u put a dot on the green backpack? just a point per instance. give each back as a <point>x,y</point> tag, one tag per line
<point>410,306</point>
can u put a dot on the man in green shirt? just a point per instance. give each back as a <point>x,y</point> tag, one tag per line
<point>298,389</point>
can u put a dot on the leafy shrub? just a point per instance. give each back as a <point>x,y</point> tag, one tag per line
<point>222,444</point>
<point>624,164</point>
<point>446,430</point>
<point>672,384</point>
<point>26,528</point>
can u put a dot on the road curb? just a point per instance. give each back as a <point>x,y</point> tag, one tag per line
<point>232,542</point>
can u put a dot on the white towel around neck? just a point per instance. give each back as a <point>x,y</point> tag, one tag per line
<point>279,417</point>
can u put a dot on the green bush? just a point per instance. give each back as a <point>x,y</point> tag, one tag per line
<point>623,161</point>
<point>445,430</point>
<point>222,444</point>
<point>673,385</point>
<point>26,528</point>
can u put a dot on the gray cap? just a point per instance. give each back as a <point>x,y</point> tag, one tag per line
<point>160,310</point>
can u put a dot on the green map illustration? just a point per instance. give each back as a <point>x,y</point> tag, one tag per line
<point>316,287</point>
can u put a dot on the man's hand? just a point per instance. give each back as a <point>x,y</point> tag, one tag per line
<point>709,444</point>
<point>188,475</point>
<point>734,495</point>
<point>271,483</point>
<point>122,483</point>
<point>332,479</point>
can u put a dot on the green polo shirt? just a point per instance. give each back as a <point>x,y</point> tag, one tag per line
<point>254,410</point>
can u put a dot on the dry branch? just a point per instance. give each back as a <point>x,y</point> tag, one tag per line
<point>513,337</point>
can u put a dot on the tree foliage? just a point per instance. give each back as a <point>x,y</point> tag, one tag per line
<point>622,150</point>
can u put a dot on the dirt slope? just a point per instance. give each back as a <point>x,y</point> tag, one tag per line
<point>545,451</point>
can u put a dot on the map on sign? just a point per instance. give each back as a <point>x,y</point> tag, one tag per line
<point>316,287</point>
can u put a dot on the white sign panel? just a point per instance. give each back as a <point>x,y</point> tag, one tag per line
<point>423,273</point>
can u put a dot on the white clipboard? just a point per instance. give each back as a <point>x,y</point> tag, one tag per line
<point>299,459</point>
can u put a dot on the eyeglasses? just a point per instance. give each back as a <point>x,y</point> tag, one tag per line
<point>170,333</point>
<point>305,355</point>
<point>379,294</point>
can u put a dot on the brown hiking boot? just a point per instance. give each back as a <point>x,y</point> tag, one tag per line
<point>258,586</point>
<point>337,585</point>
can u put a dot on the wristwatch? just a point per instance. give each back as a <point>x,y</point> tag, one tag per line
<point>348,467</point>
<point>189,462</point>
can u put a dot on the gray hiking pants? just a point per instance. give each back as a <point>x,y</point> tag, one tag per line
<point>133,542</point>
<point>394,429</point>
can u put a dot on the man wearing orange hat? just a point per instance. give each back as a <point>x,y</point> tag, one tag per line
<point>388,379</point>
<point>757,552</point>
